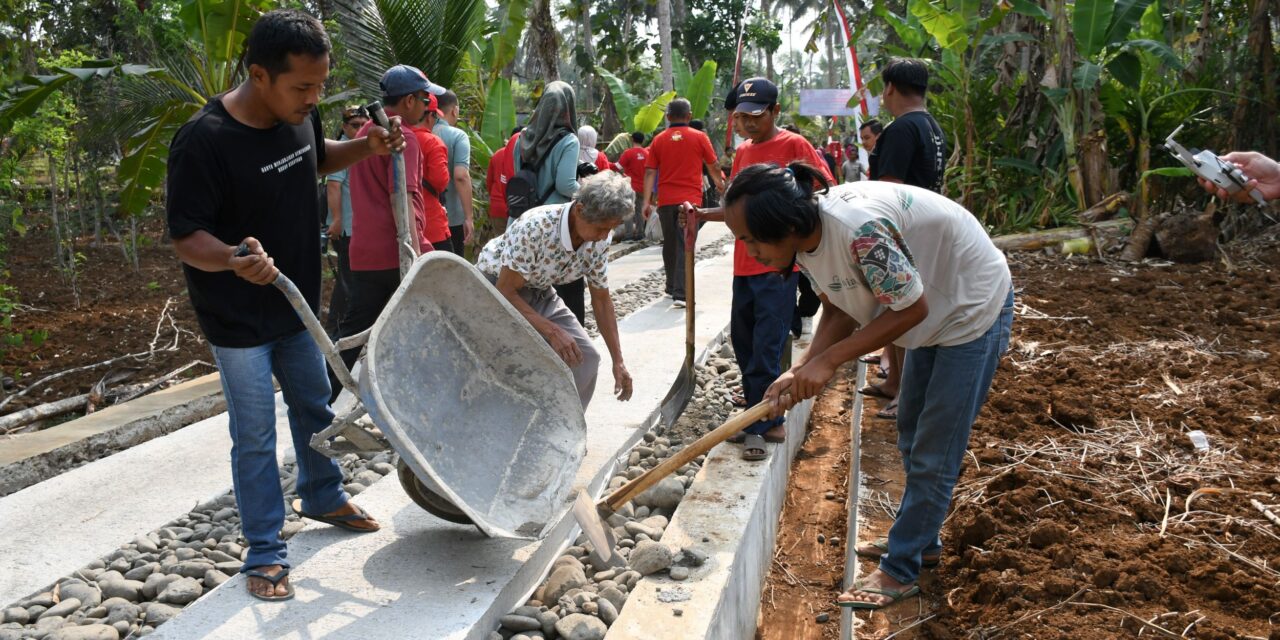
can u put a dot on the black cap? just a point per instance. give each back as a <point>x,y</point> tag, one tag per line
<point>753,96</point>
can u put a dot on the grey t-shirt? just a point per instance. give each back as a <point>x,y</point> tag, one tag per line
<point>886,245</point>
<point>459,148</point>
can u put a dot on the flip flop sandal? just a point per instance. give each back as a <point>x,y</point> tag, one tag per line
<point>890,412</point>
<point>882,374</point>
<point>753,449</point>
<point>874,391</point>
<point>894,597</point>
<point>870,358</point>
<point>275,582</point>
<point>342,522</point>
<point>927,560</point>
<point>738,400</point>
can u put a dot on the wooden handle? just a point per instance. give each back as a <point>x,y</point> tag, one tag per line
<point>689,328</point>
<point>630,490</point>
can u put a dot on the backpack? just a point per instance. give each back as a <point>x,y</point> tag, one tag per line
<point>522,188</point>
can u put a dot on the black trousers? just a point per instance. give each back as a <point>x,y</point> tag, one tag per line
<point>806,308</point>
<point>455,244</point>
<point>369,293</point>
<point>338,301</point>
<point>574,295</point>
<point>672,249</point>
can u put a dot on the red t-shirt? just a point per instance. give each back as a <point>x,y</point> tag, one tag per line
<point>373,227</point>
<point>679,154</point>
<point>782,149</point>
<point>501,167</point>
<point>435,162</point>
<point>632,162</point>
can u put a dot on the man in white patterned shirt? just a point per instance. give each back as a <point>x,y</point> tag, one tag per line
<point>555,244</point>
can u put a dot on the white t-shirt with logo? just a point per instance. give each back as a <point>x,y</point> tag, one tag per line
<point>886,245</point>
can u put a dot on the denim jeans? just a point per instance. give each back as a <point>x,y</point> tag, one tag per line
<point>246,383</point>
<point>943,389</point>
<point>763,306</point>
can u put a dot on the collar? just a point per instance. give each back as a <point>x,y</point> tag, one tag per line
<point>565,240</point>
<point>677,124</point>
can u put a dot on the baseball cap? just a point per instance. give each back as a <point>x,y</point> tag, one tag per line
<point>433,106</point>
<point>402,80</point>
<point>754,95</point>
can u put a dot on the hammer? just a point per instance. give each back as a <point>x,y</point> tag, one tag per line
<point>592,517</point>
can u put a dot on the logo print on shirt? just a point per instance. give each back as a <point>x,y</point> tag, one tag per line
<point>283,164</point>
<point>676,137</point>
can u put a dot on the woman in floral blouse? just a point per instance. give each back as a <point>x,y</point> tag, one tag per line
<point>559,243</point>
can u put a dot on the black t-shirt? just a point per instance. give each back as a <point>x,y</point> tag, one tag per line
<point>912,149</point>
<point>235,181</point>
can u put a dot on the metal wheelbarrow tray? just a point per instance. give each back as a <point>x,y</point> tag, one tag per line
<point>484,414</point>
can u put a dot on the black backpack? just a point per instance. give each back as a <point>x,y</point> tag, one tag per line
<point>522,188</point>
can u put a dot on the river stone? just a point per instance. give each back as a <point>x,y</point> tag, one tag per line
<point>562,580</point>
<point>130,590</point>
<point>615,597</point>
<point>665,495</point>
<point>182,591</point>
<point>528,611</point>
<point>608,612</point>
<point>141,573</point>
<point>577,626</point>
<point>694,557</point>
<point>160,613</point>
<point>156,583</point>
<point>229,568</point>
<point>367,477</point>
<point>223,514</point>
<point>214,578</point>
<point>520,623</point>
<point>35,611</point>
<point>63,609</point>
<point>127,612</point>
<point>679,573</point>
<point>185,554</point>
<point>122,627</point>
<point>192,568</point>
<point>220,556</point>
<point>548,620</point>
<point>649,557</point>
<point>15,614</point>
<point>86,594</point>
<point>89,632</point>
<point>10,634</point>
<point>638,528</point>
<point>48,623</point>
<point>44,599</point>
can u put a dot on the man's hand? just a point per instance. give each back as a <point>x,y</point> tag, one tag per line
<point>648,210</point>
<point>382,142</point>
<point>468,230</point>
<point>335,230</point>
<point>1263,174</point>
<point>565,346</point>
<point>621,382</point>
<point>797,385</point>
<point>257,267</point>
<point>686,208</point>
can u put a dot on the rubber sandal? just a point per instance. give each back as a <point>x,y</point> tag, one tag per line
<point>753,442</point>
<point>342,522</point>
<point>738,400</point>
<point>894,597</point>
<point>275,582</point>
<point>874,391</point>
<point>928,560</point>
<point>890,412</point>
<point>870,358</point>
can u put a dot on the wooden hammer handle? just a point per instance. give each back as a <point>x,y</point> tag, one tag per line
<point>630,490</point>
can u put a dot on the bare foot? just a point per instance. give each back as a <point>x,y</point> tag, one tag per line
<point>777,432</point>
<point>348,509</point>
<point>877,580</point>
<point>262,586</point>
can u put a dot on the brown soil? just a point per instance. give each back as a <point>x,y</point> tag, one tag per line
<point>1059,525</point>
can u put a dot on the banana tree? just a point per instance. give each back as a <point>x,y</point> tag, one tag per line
<point>156,101</point>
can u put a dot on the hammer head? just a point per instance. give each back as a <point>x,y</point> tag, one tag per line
<point>604,544</point>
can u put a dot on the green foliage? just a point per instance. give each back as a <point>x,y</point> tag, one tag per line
<point>432,36</point>
<point>650,116</point>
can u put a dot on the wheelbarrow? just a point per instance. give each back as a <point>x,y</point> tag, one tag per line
<point>483,413</point>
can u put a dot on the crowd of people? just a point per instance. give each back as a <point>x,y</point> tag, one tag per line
<point>895,266</point>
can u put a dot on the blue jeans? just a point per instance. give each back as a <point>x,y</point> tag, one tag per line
<point>763,307</point>
<point>246,382</point>
<point>943,389</point>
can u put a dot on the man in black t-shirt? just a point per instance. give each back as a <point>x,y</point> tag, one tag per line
<point>244,170</point>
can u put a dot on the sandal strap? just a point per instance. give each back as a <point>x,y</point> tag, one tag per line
<point>273,579</point>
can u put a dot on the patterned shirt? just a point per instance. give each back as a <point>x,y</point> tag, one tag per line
<point>537,246</point>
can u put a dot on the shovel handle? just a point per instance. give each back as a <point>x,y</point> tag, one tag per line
<point>630,490</point>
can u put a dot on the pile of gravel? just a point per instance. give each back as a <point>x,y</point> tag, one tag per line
<point>578,601</point>
<point>144,583</point>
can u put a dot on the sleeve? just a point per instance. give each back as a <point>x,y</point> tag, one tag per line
<point>893,153</point>
<point>566,168</point>
<point>818,162</point>
<point>318,131</point>
<point>491,174</point>
<point>737,157</point>
<point>436,172</point>
<point>194,184</point>
<point>412,165</point>
<point>708,153</point>
<point>598,273</point>
<point>337,176</point>
<point>518,252</point>
<point>462,151</point>
<point>881,255</point>
<point>652,161</point>
<point>602,161</point>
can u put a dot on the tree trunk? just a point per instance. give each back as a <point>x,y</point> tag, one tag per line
<point>543,50</point>
<point>664,34</point>
<point>831,27</point>
<point>53,210</point>
<point>766,11</point>
<point>1095,169</point>
<point>1037,240</point>
<point>1253,124</point>
<point>589,46</point>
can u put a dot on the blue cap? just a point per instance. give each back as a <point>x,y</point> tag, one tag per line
<point>402,80</point>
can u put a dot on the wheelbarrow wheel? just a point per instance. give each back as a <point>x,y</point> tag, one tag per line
<point>434,503</point>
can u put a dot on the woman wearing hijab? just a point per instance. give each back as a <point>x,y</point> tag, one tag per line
<point>589,154</point>
<point>550,143</point>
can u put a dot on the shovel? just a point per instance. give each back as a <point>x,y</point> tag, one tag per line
<point>592,517</point>
<point>673,405</point>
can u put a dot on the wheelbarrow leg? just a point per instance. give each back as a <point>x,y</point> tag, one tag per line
<point>358,440</point>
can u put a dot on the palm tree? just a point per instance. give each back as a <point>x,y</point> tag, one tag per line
<point>384,33</point>
<point>664,34</point>
<point>542,49</point>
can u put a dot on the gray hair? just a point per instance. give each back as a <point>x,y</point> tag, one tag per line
<point>605,197</point>
<point>679,109</point>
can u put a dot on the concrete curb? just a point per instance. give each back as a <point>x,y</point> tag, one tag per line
<point>731,514</point>
<point>34,457</point>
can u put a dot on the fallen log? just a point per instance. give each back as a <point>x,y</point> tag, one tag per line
<point>1037,240</point>
<point>1105,209</point>
<point>18,419</point>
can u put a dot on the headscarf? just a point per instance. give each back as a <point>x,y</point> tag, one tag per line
<point>555,113</point>
<point>587,139</point>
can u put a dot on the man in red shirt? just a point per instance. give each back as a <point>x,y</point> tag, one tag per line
<point>632,162</point>
<point>501,167</point>
<point>676,159</point>
<point>764,300</point>
<point>435,174</point>
<point>375,256</point>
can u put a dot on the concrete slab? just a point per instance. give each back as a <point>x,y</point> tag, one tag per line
<point>447,581</point>
<point>731,514</point>
<point>29,458</point>
<point>59,525</point>
<point>643,262</point>
<point>848,626</point>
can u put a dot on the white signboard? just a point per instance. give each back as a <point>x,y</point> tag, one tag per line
<point>833,102</point>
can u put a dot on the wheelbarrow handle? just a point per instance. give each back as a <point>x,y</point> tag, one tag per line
<point>312,323</point>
